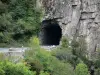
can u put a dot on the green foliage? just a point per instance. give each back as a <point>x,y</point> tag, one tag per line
<point>81,69</point>
<point>64,42</point>
<point>37,58</point>
<point>59,68</point>
<point>97,63</point>
<point>96,58</point>
<point>65,53</point>
<point>2,72</point>
<point>44,63</point>
<point>19,20</point>
<point>2,57</point>
<point>34,41</point>
<point>79,47</point>
<point>79,50</point>
<point>43,73</point>
<point>7,68</point>
<point>97,71</point>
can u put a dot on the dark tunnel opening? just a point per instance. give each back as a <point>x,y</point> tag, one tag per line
<point>51,33</point>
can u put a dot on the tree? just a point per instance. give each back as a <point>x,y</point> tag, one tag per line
<point>59,68</point>
<point>97,71</point>
<point>65,53</point>
<point>43,62</point>
<point>8,68</point>
<point>44,73</point>
<point>19,20</point>
<point>81,69</point>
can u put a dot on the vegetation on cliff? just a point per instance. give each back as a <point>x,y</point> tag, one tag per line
<point>61,61</point>
<point>19,20</point>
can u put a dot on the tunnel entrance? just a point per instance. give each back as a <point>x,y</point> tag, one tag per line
<point>51,33</point>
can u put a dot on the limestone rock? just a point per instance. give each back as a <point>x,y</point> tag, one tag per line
<point>80,17</point>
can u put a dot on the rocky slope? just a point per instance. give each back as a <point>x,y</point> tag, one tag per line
<point>80,18</point>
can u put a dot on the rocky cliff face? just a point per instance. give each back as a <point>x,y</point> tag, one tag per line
<point>80,18</point>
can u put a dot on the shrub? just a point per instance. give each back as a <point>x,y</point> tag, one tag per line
<point>81,69</point>
<point>65,53</point>
<point>19,20</point>
<point>64,42</point>
<point>44,73</point>
<point>2,72</point>
<point>44,63</point>
<point>59,68</point>
<point>8,68</point>
<point>97,71</point>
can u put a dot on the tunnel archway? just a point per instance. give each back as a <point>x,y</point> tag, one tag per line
<point>51,33</point>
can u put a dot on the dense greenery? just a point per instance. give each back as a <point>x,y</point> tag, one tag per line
<point>66,59</point>
<point>81,69</point>
<point>19,20</point>
<point>41,60</point>
<point>19,24</point>
<point>8,68</point>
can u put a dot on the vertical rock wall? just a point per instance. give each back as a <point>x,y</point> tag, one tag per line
<point>79,17</point>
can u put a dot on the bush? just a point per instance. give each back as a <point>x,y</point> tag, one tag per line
<point>64,53</point>
<point>8,68</point>
<point>44,63</point>
<point>64,42</point>
<point>2,72</point>
<point>19,20</point>
<point>37,59</point>
<point>44,73</point>
<point>59,68</point>
<point>97,71</point>
<point>81,69</point>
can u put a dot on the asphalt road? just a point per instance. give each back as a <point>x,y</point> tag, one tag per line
<point>14,49</point>
<point>49,48</point>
